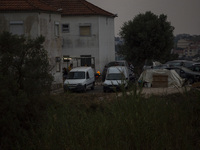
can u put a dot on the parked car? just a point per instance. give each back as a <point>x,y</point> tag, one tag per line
<point>116,77</point>
<point>80,79</point>
<point>189,75</point>
<point>150,64</point>
<point>114,63</point>
<point>184,63</point>
<point>195,67</point>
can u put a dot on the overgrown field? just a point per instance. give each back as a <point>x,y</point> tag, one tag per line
<point>76,121</point>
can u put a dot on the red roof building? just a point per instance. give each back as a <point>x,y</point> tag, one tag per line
<point>78,7</point>
<point>72,28</point>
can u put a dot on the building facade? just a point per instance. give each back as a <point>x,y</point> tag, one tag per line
<point>72,29</point>
<point>33,19</point>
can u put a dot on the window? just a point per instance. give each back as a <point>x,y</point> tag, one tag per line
<point>85,30</point>
<point>65,28</point>
<point>56,28</point>
<point>85,60</point>
<point>66,58</point>
<point>76,75</point>
<point>17,27</point>
<point>88,75</point>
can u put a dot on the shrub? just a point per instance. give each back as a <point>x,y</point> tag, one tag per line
<point>24,76</point>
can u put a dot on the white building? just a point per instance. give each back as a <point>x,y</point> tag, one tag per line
<point>87,31</point>
<point>72,28</point>
<point>34,19</point>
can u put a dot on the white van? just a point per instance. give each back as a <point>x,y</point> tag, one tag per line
<point>80,79</point>
<point>116,77</point>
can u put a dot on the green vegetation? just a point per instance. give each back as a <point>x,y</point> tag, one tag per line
<point>147,37</point>
<point>24,65</point>
<point>84,121</point>
<point>32,119</point>
<point>24,77</point>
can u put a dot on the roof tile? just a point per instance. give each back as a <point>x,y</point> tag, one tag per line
<point>78,7</point>
<point>68,7</point>
<point>30,5</point>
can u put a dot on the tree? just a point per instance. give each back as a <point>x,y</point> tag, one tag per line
<point>24,64</point>
<point>147,37</point>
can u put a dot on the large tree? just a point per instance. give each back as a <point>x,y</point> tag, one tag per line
<point>147,37</point>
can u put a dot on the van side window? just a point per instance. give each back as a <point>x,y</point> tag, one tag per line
<point>88,75</point>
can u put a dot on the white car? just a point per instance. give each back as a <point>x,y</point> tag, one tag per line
<point>116,77</point>
<point>80,79</point>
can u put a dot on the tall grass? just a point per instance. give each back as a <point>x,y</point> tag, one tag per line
<point>78,121</point>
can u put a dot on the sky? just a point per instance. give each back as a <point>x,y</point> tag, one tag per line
<point>184,15</point>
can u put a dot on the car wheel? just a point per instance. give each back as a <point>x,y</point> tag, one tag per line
<point>84,89</point>
<point>92,88</point>
<point>104,90</point>
<point>65,89</point>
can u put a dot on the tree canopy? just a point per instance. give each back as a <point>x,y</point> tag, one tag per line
<point>24,64</point>
<point>147,37</point>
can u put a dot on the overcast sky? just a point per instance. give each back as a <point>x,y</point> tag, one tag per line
<point>184,15</point>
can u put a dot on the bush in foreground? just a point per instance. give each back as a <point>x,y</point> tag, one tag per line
<point>24,76</point>
<point>78,121</point>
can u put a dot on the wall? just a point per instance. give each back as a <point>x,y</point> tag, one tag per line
<point>106,40</point>
<point>75,45</point>
<point>30,21</point>
<point>99,45</point>
<point>35,24</point>
<point>53,42</point>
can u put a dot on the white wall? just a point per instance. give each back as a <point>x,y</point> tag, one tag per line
<point>53,43</point>
<point>106,40</point>
<point>30,22</point>
<point>99,45</point>
<point>75,45</point>
<point>35,24</point>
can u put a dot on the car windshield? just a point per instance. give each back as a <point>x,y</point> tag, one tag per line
<point>76,75</point>
<point>115,76</point>
<point>116,63</point>
<point>188,64</point>
<point>174,63</point>
<point>186,69</point>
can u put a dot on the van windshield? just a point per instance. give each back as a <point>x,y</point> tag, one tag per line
<point>115,76</point>
<point>76,75</point>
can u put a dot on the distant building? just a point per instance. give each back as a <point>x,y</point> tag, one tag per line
<point>191,51</point>
<point>182,43</point>
<point>187,48</point>
<point>179,51</point>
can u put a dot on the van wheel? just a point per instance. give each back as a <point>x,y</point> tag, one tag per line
<point>92,88</point>
<point>84,89</point>
<point>104,90</point>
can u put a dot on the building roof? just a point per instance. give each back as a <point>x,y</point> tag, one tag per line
<point>78,7</point>
<point>66,7</point>
<point>25,5</point>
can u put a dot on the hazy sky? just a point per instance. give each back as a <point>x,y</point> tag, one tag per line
<point>184,15</point>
